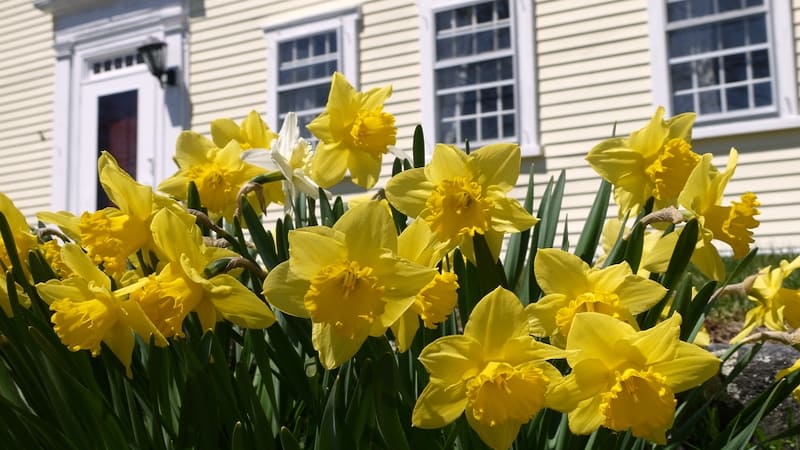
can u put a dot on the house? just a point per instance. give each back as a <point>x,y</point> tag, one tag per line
<point>553,75</point>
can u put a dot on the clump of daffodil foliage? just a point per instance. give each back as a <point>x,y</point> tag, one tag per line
<point>436,312</point>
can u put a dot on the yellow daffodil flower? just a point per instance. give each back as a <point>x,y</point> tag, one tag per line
<point>775,305</point>
<point>654,161</point>
<point>354,132</point>
<point>438,298</point>
<point>656,250</point>
<point>572,287</point>
<point>290,154</point>
<point>627,380</point>
<point>111,235</point>
<point>5,300</point>
<point>495,372</point>
<point>783,373</point>
<point>252,133</point>
<point>348,279</point>
<point>462,195</point>
<point>24,240</point>
<point>87,312</point>
<point>180,287</point>
<point>731,224</point>
<point>218,173</point>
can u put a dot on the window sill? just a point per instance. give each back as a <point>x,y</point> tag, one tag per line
<point>745,127</point>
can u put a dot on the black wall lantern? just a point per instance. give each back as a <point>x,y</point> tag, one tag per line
<point>154,54</point>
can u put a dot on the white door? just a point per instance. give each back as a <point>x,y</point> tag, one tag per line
<point>118,115</point>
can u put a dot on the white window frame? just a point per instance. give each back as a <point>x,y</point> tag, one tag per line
<point>342,19</point>
<point>779,18</point>
<point>522,13</point>
<point>83,34</point>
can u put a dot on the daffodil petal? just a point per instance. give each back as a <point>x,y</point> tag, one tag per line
<point>438,406</point>
<point>509,216</point>
<point>365,168</point>
<point>447,163</point>
<point>223,131</point>
<point>285,291</point>
<point>239,305</point>
<point>660,342</point>
<point>369,231</point>
<point>334,349</point>
<point>542,314</point>
<point>498,317</point>
<point>496,165</point>
<point>451,359</point>
<point>586,417</point>
<point>405,329</point>
<point>690,367</point>
<point>79,262</point>
<point>597,334</point>
<point>562,272</point>
<point>120,341</point>
<point>311,250</point>
<point>328,165</point>
<point>498,437</point>
<point>408,191</point>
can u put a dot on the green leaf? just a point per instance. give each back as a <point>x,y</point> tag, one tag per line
<point>262,239</point>
<point>593,228</point>
<point>288,441</point>
<point>418,148</point>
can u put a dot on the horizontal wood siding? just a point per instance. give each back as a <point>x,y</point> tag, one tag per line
<point>26,105</point>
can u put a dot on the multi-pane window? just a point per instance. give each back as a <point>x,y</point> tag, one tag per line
<point>720,57</point>
<point>305,66</point>
<point>474,73</point>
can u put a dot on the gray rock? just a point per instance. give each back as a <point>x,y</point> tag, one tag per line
<point>756,378</point>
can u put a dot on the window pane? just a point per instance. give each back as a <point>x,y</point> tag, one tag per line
<point>709,102</point>
<point>485,40</point>
<point>444,20</point>
<point>447,105</point>
<point>469,131</point>
<point>691,41</point>
<point>681,75</point>
<point>677,11</point>
<point>464,17</point>
<point>733,34</point>
<point>707,72</point>
<point>489,100</point>
<point>444,48</point>
<point>484,12</point>
<point>729,5</point>
<point>302,48</point>
<point>503,38</point>
<point>502,9</point>
<point>469,102</point>
<point>508,98</point>
<point>735,67</point>
<point>117,116</point>
<point>447,132</point>
<point>318,44</point>
<point>760,61</point>
<point>489,128</point>
<point>757,29</point>
<point>762,92</point>
<point>285,51</point>
<point>700,8</point>
<point>463,45</point>
<point>509,129</point>
<point>737,98</point>
<point>682,103</point>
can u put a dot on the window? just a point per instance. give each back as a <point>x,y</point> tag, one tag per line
<point>724,59</point>
<point>476,52</point>
<point>301,57</point>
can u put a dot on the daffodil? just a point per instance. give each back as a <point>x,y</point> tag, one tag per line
<point>354,132</point>
<point>732,224</point>
<point>627,380</point>
<point>437,299</point>
<point>657,247</point>
<point>654,161</point>
<point>775,305</point>
<point>495,372</point>
<point>348,279</point>
<point>5,300</point>
<point>571,287</point>
<point>218,173</point>
<point>785,372</point>
<point>462,195</point>
<point>111,235</point>
<point>24,240</point>
<point>180,287</point>
<point>252,133</point>
<point>87,312</point>
<point>289,153</point>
